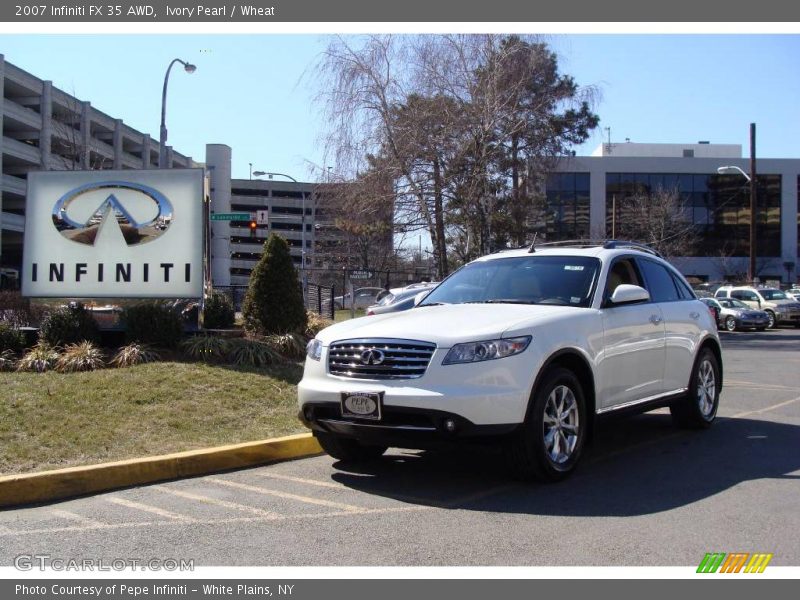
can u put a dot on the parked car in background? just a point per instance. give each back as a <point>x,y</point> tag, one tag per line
<point>735,314</point>
<point>780,308</point>
<point>400,299</point>
<point>364,297</point>
<point>713,307</point>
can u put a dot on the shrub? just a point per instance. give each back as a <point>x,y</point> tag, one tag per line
<point>218,312</point>
<point>274,299</point>
<point>80,357</point>
<point>251,353</point>
<point>208,348</point>
<point>10,339</point>
<point>288,345</point>
<point>315,323</point>
<point>39,359</point>
<point>134,354</point>
<point>7,362</point>
<point>152,323</point>
<point>69,325</point>
<point>18,311</point>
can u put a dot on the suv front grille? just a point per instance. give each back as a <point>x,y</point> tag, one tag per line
<point>379,358</point>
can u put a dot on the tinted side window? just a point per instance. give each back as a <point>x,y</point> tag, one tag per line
<point>683,291</point>
<point>660,283</point>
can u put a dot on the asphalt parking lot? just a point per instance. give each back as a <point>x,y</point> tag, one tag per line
<point>646,494</point>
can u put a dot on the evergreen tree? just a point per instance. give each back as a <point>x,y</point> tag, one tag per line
<point>274,300</point>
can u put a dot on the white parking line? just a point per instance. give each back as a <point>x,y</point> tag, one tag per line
<point>766,409</point>
<point>316,482</point>
<point>71,516</point>
<point>212,522</point>
<point>285,495</point>
<point>147,508</point>
<point>217,502</point>
<point>761,386</point>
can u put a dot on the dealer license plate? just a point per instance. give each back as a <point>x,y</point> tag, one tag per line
<point>362,405</point>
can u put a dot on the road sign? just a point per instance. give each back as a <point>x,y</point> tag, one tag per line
<point>262,217</point>
<point>360,274</point>
<point>231,216</point>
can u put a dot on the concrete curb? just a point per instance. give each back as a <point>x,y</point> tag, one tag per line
<point>75,481</point>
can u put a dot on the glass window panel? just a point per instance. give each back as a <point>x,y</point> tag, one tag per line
<point>700,183</point>
<point>582,181</point>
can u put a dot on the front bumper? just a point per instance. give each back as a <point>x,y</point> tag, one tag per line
<point>401,427</point>
<point>485,399</point>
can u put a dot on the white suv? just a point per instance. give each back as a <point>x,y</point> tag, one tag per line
<point>779,306</point>
<point>525,347</point>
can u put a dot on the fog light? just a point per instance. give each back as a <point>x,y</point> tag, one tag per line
<point>450,425</point>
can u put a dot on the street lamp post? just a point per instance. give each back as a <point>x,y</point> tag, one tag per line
<point>302,225</point>
<point>162,146</point>
<point>752,178</point>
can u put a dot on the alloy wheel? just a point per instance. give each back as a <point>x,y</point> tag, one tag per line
<point>706,388</point>
<point>561,424</point>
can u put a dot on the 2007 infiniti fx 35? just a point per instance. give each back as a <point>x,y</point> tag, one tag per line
<point>526,348</point>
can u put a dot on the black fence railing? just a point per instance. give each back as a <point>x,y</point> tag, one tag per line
<point>319,298</point>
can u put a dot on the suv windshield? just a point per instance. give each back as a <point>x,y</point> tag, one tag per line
<point>563,280</point>
<point>773,295</point>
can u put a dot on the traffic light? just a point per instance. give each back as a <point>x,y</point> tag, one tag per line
<point>253,226</point>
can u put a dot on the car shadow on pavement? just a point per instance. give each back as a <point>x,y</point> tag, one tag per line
<point>636,467</point>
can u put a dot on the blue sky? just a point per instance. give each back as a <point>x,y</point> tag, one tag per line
<point>250,92</point>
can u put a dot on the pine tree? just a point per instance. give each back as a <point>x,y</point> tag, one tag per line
<point>274,300</point>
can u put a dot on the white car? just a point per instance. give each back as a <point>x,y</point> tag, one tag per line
<point>779,306</point>
<point>524,348</point>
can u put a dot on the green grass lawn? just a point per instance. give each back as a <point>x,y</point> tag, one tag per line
<point>55,420</point>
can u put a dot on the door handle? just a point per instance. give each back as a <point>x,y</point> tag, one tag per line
<point>655,319</point>
<point>694,315</point>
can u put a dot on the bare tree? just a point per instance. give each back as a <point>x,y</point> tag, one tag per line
<point>456,122</point>
<point>660,219</point>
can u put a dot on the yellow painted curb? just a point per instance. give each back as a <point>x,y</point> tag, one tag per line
<point>75,481</point>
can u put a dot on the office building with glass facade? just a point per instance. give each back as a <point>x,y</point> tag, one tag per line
<point>592,196</point>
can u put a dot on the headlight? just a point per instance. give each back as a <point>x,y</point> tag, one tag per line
<point>314,349</point>
<point>489,350</point>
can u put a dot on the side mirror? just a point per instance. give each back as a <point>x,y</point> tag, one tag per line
<point>628,294</point>
<point>420,297</point>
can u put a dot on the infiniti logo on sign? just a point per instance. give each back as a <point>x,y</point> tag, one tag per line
<point>372,357</point>
<point>135,232</point>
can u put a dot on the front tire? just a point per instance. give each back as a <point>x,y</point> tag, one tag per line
<point>773,322</point>
<point>551,441</point>
<point>698,409</point>
<point>347,449</point>
<point>730,324</point>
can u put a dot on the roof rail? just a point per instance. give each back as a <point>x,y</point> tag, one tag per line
<point>590,243</point>
<point>613,244</point>
<point>579,243</point>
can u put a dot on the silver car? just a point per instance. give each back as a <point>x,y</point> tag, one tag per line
<point>735,314</point>
<point>400,299</point>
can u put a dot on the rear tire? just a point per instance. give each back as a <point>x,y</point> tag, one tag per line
<point>773,321</point>
<point>347,449</point>
<point>730,324</point>
<point>698,409</point>
<point>551,440</point>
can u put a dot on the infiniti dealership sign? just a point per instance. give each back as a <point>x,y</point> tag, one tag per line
<point>114,234</point>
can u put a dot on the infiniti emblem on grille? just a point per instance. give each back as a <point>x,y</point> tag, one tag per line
<point>372,357</point>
